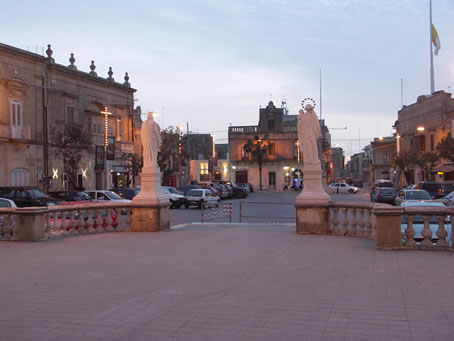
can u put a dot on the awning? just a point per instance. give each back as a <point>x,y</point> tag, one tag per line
<point>446,168</point>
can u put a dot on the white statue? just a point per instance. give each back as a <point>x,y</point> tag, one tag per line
<point>151,141</point>
<point>308,134</point>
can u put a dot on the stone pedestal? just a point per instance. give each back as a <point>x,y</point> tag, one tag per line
<point>312,205</point>
<point>388,226</point>
<point>30,224</point>
<point>150,208</point>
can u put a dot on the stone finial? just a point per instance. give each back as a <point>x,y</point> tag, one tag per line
<point>49,53</point>
<point>110,73</point>
<point>72,60</point>
<point>126,83</point>
<point>92,68</point>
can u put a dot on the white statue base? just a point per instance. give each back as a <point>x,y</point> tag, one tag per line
<point>312,204</point>
<point>150,206</point>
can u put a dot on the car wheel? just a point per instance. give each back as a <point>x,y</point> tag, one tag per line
<point>178,205</point>
<point>350,191</point>
<point>172,204</point>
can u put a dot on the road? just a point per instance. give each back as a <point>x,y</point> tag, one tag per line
<point>263,207</point>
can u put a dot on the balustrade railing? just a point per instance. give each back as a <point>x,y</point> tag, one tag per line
<point>353,219</point>
<point>243,129</point>
<point>7,224</point>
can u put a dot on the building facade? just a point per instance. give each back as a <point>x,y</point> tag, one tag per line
<point>421,126</point>
<point>37,96</point>
<point>282,164</point>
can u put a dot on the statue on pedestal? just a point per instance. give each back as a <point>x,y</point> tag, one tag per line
<point>308,134</point>
<point>151,141</point>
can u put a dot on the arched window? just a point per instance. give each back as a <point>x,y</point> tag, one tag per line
<point>20,177</point>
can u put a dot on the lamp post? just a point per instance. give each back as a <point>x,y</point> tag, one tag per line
<point>106,114</point>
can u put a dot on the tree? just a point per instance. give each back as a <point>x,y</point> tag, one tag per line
<point>258,147</point>
<point>168,156</point>
<point>406,161</point>
<point>427,162</point>
<point>70,143</point>
<point>446,148</point>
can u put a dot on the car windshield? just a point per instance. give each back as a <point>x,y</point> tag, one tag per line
<point>112,195</point>
<point>82,196</point>
<point>385,184</point>
<point>166,190</point>
<point>418,195</point>
<point>35,193</point>
<point>173,190</point>
<point>4,203</point>
<point>193,193</point>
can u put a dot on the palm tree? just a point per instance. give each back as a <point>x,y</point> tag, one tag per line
<point>258,147</point>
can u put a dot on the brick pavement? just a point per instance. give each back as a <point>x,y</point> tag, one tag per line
<point>220,282</point>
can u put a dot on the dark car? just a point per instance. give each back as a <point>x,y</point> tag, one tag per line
<point>185,188</point>
<point>126,193</point>
<point>379,184</point>
<point>412,195</point>
<point>28,196</point>
<point>357,183</point>
<point>385,195</point>
<point>435,189</point>
<point>70,195</point>
<point>238,192</point>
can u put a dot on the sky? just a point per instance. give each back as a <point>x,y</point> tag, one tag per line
<point>210,64</point>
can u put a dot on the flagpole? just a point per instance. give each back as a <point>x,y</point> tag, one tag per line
<point>431,54</point>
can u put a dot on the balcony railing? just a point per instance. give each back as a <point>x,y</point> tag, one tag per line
<point>15,132</point>
<point>290,129</point>
<point>353,219</point>
<point>243,129</point>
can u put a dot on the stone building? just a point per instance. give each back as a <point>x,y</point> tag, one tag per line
<point>38,95</point>
<point>383,150</point>
<point>338,161</point>
<point>421,126</point>
<point>283,161</point>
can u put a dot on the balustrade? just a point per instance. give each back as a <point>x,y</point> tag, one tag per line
<point>353,219</point>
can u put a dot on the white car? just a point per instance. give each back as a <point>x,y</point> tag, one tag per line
<point>200,197</point>
<point>176,200</point>
<point>105,196</point>
<point>340,187</point>
<point>7,203</point>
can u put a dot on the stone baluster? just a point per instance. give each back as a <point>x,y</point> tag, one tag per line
<point>109,220</point>
<point>426,233</point>
<point>64,224</point>
<point>72,223</point>
<point>410,233</point>
<point>368,232</point>
<point>99,221</point>
<point>353,222</point>
<point>335,229</point>
<point>48,226</point>
<point>344,221</point>
<point>362,223</point>
<point>55,224</point>
<point>90,222</point>
<point>442,233</point>
<point>373,229</point>
<point>81,222</point>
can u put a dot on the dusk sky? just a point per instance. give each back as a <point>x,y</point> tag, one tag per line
<point>213,63</point>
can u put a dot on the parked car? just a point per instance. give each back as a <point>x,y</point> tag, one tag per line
<point>126,193</point>
<point>238,192</point>
<point>225,194</point>
<point>246,187</point>
<point>448,199</point>
<point>200,197</point>
<point>174,190</point>
<point>340,187</point>
<point>103,196</point>
<point>357,183</point>
<point>385,195</point>
<point>251,187</point>
<point>176,200</point>
<point>28,196</point>
<point>186,188</point>
<point>70,196</point>
<point>379,184</point>
<point>418,222</point>
<point>213,190</point>
<point>412,195</point>
<point>435,189</point>
<point>7,203</point>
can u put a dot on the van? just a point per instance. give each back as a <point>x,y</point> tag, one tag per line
<point>435,189</point>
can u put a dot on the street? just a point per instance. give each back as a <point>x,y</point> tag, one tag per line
<point>260,207</point>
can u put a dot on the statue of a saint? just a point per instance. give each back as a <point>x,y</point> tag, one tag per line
<point>308,134</point>
<point>151,141</point>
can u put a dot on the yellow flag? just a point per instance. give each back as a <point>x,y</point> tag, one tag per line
<point>435,40</point>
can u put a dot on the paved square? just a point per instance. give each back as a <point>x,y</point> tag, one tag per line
<point>220,282</point>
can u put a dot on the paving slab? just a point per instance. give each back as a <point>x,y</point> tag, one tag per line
<point>223,282</point>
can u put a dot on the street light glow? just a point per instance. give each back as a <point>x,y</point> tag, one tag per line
<point>420,128</point>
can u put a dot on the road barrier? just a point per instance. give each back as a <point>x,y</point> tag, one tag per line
<point>222,211</point>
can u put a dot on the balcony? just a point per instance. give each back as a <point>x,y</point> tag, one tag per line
<point>15,132</point>
<point>243,130</point>
<point>125,147</point>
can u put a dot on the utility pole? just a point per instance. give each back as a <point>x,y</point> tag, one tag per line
<point>189,153</point>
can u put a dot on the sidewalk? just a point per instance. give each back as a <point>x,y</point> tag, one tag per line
<point>223,282</point>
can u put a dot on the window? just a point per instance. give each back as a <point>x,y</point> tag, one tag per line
<point>69,114</point>
<point>20,177</point>
<point>16,119</point>
<point>295,152</point>
<point>244,154</point>
<point>270,124</point>
<point>432,143</point>
<point>271,149</point>
<point>119,129</point>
